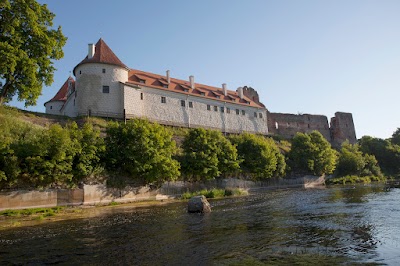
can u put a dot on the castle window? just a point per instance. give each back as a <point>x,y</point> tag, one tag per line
<point>255,114</point>
<point>163,99</point>
<point>182,103</point>
<point>190,104</point>
<point>51,106</point>
<point>216,108</point>
<point>228,110</point>
<point>104,70</point>
<point>74,102</point>
<point>222,109</point>
<point>80,72</point>
<point>308,125</point>
<point>243,112</point>
<point>276,125</point>
<point>260,115</point>
<point>237,111</point>
<point>106,89</point>
<point>141,96</point>
<point>208,107</point>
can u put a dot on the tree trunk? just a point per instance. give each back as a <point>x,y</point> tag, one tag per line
<point>4,93</point>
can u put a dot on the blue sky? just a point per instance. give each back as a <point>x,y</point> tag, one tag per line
<point>315,57</point>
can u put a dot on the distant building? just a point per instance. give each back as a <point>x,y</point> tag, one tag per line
<point>106,87</point>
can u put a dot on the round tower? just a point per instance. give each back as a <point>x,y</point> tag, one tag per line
<point>98,82</point>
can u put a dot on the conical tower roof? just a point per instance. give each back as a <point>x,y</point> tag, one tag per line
<point>103,54</point>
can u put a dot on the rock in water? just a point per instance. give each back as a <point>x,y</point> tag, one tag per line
<point>199,204</point>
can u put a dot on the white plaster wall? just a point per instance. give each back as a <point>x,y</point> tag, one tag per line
<point>69,108</point>
<point>132,103</point>
<point>173,113</point>
<point>54,107</point>
<point>89,86</point>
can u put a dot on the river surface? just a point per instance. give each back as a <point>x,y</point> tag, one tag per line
<point>337,225</point>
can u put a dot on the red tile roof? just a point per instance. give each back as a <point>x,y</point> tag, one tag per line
<point>62,93</point>
<point>136,77</point>
<point>103,54</point>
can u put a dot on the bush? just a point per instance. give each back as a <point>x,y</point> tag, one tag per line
<point>260,156</point>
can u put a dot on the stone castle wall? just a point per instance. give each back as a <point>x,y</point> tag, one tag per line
<point>287,125</point>
<point>196,113</point>
<point>342,129</point>
<point>90,80</point>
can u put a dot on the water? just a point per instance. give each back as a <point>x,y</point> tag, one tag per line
<point>339,225</point>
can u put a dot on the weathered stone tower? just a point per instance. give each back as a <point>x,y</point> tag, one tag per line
<point>342,129</point>
<point>98,82</point>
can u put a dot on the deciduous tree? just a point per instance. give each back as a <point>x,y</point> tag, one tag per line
<point>28,44</point>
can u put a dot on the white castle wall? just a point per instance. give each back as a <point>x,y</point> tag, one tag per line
<point>90,80</point>
<point>54,107</point>
<point>172,113</point>
<point>69,108</point>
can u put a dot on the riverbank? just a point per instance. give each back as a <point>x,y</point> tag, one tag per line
<point>31,217</point>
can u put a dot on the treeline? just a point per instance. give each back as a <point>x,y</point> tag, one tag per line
<point>141,151</point>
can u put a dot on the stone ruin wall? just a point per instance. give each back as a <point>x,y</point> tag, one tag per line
<point>287,125</point>
<point>342,128</point>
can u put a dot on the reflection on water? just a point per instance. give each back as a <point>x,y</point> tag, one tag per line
<point>329,226</point>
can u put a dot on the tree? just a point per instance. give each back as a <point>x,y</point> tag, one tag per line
<point>312,153</point>
<point>141,150</point>
<point>261,158</point>
<point>351,160</point>
<point>28,45</point>
<point>208,154</point>
<point>396,137</point>
<point>387,154</point>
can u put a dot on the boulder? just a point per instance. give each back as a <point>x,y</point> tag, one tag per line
<point>199,204</point>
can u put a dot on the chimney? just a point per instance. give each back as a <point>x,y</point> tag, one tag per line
<point>240,92</point>
<point>91,50</point>
<point>191,79</point>
<point>224,90</point>
<point>168,77</point>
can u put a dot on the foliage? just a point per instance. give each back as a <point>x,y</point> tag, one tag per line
<point>312,153</point>
<point>260,156</point>
<point>214,193</point>
<point>396,137</point>
<point>26,212</point>
<point>141,150</point>
<point>386,153</point>
<point>208,154</point>
<point>353,162</point>
<point>89,150</point>
<point>38,157</point>
<point>28,45</point>
<point>354,179</point>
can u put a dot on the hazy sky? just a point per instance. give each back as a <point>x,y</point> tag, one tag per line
<point>315,57</point>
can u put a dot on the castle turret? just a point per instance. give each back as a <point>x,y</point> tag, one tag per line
<point>98,82</point>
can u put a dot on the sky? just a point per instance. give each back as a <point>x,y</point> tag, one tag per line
<point>309,57</point>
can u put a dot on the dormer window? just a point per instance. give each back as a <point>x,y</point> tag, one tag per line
<point>217,97</point>
<point>142,81</point>
<point>202,93</point>
<point>165,85</point>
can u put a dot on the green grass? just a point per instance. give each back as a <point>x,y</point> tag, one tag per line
<point>45,212</point>
<point>352,179</point>
<point>215,193</point>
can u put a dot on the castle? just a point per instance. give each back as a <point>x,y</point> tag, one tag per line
<point>106,87</point>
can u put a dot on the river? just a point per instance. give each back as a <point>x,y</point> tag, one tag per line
<point>335,225</point>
